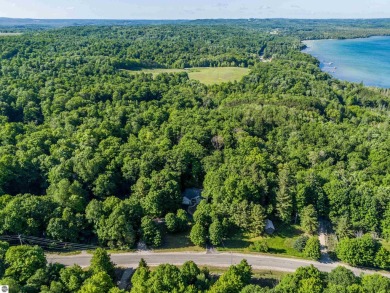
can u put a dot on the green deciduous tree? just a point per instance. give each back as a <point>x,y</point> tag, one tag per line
<point>190,272</point>
<point>166,278</point>
<point>216,232</point>
<point>234,280</point>
<point>150,232</point>
<point>198,235</point>
<point>382,258</point>
<point>171,222</point>
<point>357,251</point>
<point>305,279</point>
<point>73,277</point>
<point>375,284</point>
<point>23,261</point>
<point>342,276</point>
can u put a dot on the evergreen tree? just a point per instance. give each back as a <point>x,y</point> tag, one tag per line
<point>101,262</point>
<point>284,199</point>
<point>309,221</point>
<point>312,249</point>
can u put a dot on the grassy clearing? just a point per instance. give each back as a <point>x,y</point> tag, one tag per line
<point>9,34</point>
<point>177,243</point>
<point>281,242</point>
<point>206,75</point>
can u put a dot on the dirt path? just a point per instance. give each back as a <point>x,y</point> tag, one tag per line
<point>324,247</point>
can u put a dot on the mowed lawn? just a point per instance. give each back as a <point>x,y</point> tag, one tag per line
<point>281,242</point>
<point>207,75</point>
<point>178,243</point>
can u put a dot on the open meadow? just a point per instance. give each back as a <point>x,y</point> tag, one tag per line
<point>207,75</point>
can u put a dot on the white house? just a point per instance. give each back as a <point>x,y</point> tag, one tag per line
<point>192,196</point>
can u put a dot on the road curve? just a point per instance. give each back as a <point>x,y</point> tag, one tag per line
<point>261,262</point>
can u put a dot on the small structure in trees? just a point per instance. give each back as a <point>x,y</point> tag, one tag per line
<point>192,196</point>
<point>269,227</point>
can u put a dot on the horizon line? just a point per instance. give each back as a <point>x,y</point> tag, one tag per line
<point>191,19</point>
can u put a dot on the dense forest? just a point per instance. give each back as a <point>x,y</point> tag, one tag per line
<point>92,152</point>
<point>25,269</point>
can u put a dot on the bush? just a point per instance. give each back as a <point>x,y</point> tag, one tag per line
<point>300,243</point>
<point>259,246</point>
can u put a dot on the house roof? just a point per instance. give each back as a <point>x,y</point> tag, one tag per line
<point>191,193</point>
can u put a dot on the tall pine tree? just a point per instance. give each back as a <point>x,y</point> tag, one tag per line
<point>284,201</point>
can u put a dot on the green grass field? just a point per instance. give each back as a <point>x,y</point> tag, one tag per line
<point>206,75</point>
<point>177,243</point>
<point>281,242</point>
<point>9,34</point>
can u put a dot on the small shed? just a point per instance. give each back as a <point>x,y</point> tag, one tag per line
<point>192,196</point>
<point>269,227</point>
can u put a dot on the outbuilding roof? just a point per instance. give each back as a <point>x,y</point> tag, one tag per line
<point>191,193</point>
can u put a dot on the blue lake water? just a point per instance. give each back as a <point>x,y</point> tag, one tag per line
<point>357,60</point>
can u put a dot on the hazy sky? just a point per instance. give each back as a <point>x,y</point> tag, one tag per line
<point>183,9</point>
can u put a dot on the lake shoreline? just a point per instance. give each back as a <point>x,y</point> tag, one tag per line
<point>354,60</point>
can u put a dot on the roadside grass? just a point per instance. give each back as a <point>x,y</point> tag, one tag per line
<point>281,242</point>
<point>178,243</point>
<point>267,278</point>
<point>206,75</point>
<point>66,253</point>
<point>114,251</point>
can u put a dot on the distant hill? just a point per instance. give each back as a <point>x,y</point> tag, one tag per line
<point>22,24</point>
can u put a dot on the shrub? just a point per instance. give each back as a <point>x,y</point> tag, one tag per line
<point>300,243</point>
<point>259,246</point>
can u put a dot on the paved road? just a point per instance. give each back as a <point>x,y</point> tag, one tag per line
<point>218,259</point>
